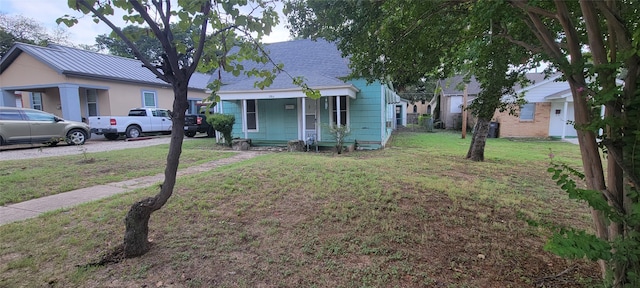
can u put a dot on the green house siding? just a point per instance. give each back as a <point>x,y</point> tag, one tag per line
<point>274,121</point>
<point>368,116</point>
<point>364,116</point>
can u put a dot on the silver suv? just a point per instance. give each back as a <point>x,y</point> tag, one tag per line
<point>29,126</point>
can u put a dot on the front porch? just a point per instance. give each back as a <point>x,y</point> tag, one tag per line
<point>69,101</point>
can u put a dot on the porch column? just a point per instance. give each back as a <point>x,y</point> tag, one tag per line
<point>338,120</point>
<point>70,102</point>
<point>7,98</point>
<point>564,117</point>
<point>219,110</point>
<point>244,119</point>
<point>302,135</point>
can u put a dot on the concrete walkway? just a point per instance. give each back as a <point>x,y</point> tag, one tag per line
<point>33,208</point>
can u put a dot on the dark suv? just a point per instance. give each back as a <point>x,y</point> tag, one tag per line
<point>29,126</point>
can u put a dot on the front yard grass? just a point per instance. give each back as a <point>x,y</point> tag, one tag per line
<point>22,180</point>
<point>414,215</point>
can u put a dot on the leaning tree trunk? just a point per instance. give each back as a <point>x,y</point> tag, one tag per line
<point>479,139</point>
<point>136,241</point>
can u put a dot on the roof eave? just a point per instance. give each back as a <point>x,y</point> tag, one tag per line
<point>126,80</point>
<point>341,90</point>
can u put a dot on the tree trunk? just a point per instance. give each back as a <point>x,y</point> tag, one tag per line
<point>479,139</point>
<point>136,235</point>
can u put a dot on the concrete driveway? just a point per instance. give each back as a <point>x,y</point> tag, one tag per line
<point>95,144</point>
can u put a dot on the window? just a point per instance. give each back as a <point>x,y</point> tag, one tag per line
<point>36,100</point>
<point>149,99</point>
<point>343,110</point>
<point>455,104</point>
<point>252,115</point>
<point>39,116</point>
<point>527,111</point>
<point>92,102</point>
<point>10,114</point>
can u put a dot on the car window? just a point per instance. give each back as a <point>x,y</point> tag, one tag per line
<point>10,115</point>
<point>39,116</point>
<point>137,113</point>
<point>162,113</point>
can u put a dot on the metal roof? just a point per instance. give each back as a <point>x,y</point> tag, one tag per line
<point>82,63</point>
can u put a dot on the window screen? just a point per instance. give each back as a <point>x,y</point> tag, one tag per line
<point>527,111</point>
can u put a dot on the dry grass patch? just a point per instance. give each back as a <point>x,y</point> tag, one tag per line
<point>402,217</point>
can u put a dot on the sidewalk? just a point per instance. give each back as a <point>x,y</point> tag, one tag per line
<point>33,208</point>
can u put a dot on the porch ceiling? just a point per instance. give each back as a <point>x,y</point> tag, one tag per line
<point>343,90</point>
<point>561,96</point>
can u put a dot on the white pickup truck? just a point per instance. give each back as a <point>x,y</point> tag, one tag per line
<point>140,120</point>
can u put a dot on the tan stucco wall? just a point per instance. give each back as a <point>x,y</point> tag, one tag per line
<point>26,70</point>
<point>116,99</point>
<point>512,126</point>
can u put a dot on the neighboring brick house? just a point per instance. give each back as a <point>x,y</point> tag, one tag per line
<point>548,112</point>
<point>536,126</point>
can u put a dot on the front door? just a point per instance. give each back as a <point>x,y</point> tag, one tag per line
<point>310,131</point>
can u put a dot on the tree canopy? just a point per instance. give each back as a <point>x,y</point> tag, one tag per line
<point>17,28</point>
<point>143,38</point>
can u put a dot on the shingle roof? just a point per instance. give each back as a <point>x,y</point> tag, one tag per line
<point>83,63</point>
<point>319,62</point>
<point>450,85</point>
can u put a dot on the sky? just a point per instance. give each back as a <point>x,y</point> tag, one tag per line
<point>47,11</point>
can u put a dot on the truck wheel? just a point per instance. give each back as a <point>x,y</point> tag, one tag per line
<point>133,132</point>
<point>211,132</point>
<point>111,136</point>
<point>190,133</point>
<point>76,137</point>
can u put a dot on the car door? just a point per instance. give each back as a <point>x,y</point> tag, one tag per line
<point>163,120</point>
<point>14,128</point>
<point>45,127</point>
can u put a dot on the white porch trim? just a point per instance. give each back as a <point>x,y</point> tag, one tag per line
<point>346,90</point>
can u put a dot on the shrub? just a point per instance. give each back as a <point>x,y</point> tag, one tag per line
<point>339,133</point>
<point>224,124</point>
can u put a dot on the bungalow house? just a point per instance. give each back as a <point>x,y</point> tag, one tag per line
<point>451,98</point>
<point>74,83</point>
<point>282,112</point>
<point>548,112</point>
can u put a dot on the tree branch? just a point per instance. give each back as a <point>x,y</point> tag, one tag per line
<point>145,62</point>
<point>524,5</point>
<point>166,45</point>
<point>525,45</point>
<point>628,171</point>
<point>164,17</point>
<point>206,10</point>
